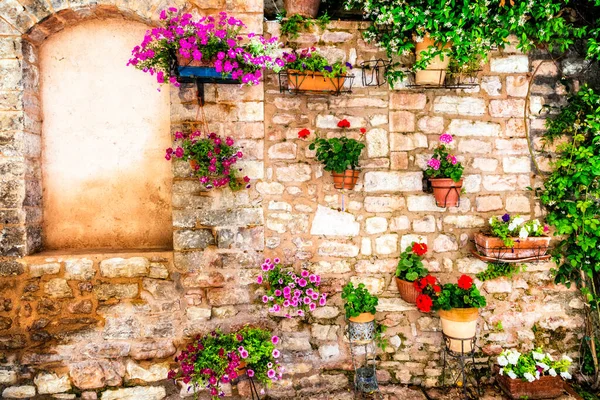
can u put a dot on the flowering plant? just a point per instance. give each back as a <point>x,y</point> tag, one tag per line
<point>337,153</point>
<point>294,294</point>
<point>311,60</point>
<point>218,358</point>
<point>410,266</point>
<point>443,164</point>
<point>429,288</point>
<point>210,40</point>
<point>212,159</point>
<point>358,300</point>
<point>507,227</point>
<point>531,366</point>
<point>463,294</point>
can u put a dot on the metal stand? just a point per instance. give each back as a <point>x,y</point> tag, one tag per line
<point>460,366</point>
<point>365,368</point>
<point>373,72</point>
<point>253,390</point>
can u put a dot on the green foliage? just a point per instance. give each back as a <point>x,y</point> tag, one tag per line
<point>292,26</point>
<point>358,300</point>
<point>496,270</point>
<point>571,193</point>
<point>310,60</point>
<point>499,327</point>
<point>337,154</point>
<point>587,361</point>
<point>453,296</point>
<point>410,266</point>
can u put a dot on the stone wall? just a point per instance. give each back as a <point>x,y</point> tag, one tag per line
<point>81,323</point>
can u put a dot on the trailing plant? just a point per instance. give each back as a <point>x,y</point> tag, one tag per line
<point>310,60</point>
<point>292,25</point>
<point>498,269</point>
<point>213,40</point>
<point>217,358</point>
<point>212,159</point>
<point>443,164</point>
<point>358,300</point>
<point>507,227</point>
<point>410,265</point>
<point>337,154</point>
<point>473,27</point>
<point>532,365</point>
<point>294,294</point>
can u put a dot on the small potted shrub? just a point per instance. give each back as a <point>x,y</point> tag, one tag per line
<point>218,358</point>
<point>532,375</point>
<point>310,71</point>
<point>210,47</point>
<point>511,237</point>
<point>458,307</point>
<point>445,173</point>
<point>360,312</point>
<point>212,159</point>
<point>288,292</point>
<point>410,268</point>
<point>339,155</point>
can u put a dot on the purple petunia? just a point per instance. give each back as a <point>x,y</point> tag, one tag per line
<point>506,217</point>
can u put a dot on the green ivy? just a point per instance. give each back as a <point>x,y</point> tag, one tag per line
<point>496,270</point>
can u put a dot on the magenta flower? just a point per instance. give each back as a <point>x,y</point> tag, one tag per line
<point>275,339</point>
<point>312,306</point>
<point>306,300</point>
<point>277,292</point>
<point>179,152</point>
<point>302,282</point>
<point>276,353</point>
<point>259,279</point>
<point>322,301</point>
<point>244,353</point>
<point>434,163</point>
<point>265,299</point>
<point>445,138</point>
<point>305,273</point>
<point>271,373</point>
<point>452,159</point>
<point>250,373</point>
<point>276,261</point>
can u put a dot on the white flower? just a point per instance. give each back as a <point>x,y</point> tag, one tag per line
<point>512,375</point>
<point>549,357</point>
<point>523,233</point>
<point>566,357</point>
<point>513,357</point>
<point>537,374</point>
<point>529,377</point>
<point>565,375</point>
<point>501,371</point>
<point>502,361</point>
<point>542,366</point>
<point>537,356</point>
<point>491,221</point>
<point>552,372</point>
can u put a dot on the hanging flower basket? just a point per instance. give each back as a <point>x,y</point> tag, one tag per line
<point>546,387</point>
<point>191,68</point>
<point>494,247</point>
<point>446,191</point>
<point>345,180</point>
<point>312,81</point>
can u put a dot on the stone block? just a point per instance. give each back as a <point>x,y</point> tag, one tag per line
<point>488,203</point>
<point>399,160</point>
<point>154,373</point>
<point>8,377</point>
<point>407,101</point>
<point>329,351</point>
<point>474,146</point>
<point>459,105</point>
<point>193,239</point>
<point>491,85</point>
<point>422,203</point>
<point>135,393</point>
<point>197,313</point>
<point>375,225</point>
<point>19,392</point>
<point>326,312</point>
<point>283,151</point>
<point>464,127</point>
<point>510,65</point>
<point>518,203</point>
<point>464,221</point>
<point>517,86</point>
<point>125,327</point>
<point>58,288</point>
<point>337,249</point>
<point>402,121</point>
<point>359,102</point>
<point>445,243</point>
<point>386,244</point>
<point>227,296</point>
<point>293,173</point>
<point>11,78</point>
<point>516,164</point>
<point>507,108</point>
<point>380,181</point>
<point>424,225</point>
<point>408,142</point>
<point>485,164</point>
<point>250,111</point>
<point>94,374</point>
<point>377,143</point>
<point>384,203</point>
<point>106,291</point>
<point>149,349</point>
<point>124,268</point>
<point>331,222</point>
<point>37,270</point>
<point>394,304</point>
<point>80,269</point>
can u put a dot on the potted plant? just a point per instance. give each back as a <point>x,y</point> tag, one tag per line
<point>432,59</point>
<point>306,8</point>
<point>288,292</point>
<point>212,159</point>
<point>310,71</point>
<point>458,307</point>
<point>217,358</point>
<point>339,155</point>
<point>360,312</point>
<point>445,173</point>
<point>410,268</point>
<point>533,375</point>
<point>511,237</point>
<point>210,47</point>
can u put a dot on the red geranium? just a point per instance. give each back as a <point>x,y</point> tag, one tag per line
<point>424,303</point>
<point>344,124</point>
<point>303,133</point>
<point>465,282</point>
<point>419,249</point>
<point>363,131</point>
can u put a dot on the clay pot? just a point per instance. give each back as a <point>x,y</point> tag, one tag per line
<point>311,81</point>
<point>547,387</point>
<point>407,291</point>
<point>362,318</point>
<point>459,323</point>
<point>193,164</point>
<point>346,180</point>
<point>446,191</point>
<point>494,247</point>
<point>435,73</point>
<point>306,8</point>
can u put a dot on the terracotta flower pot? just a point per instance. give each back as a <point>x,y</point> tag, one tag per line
<point>407,291</point>
<point>459,323</point>
<point>361,318</point>
<point>446,191</point>
<point>306,8</point>
<point>547,387</point>
<point>241,368</point>
<point>435,73</point>
<point>310,81</point>
<point>529,247</point>
<point>193,164</point>
<point>347,180</point>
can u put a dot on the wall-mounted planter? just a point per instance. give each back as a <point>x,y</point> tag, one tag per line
<point>446,191</point>
<point>547,387</point>
<point>296,81</point>
<point>345,180</point>
<point>407,290</point>
<point>200,70</point>
<point>494,247</point>
<point>435,72</point>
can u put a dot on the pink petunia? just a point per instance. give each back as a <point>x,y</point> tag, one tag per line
<point>250,373</point>
<point>259,279</point>
<point>322,301</point>
<point>312,306</point>
<point>305,273</point>
<point>271,374</point>
<point>275,339</point>
<point>265,299</point>
<point>302,282</point>
<point>276,353</point>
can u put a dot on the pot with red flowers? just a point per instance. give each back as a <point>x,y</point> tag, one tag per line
<point>458,306</point>
<point>212,159</point>
<point>410,268</point>
<point>218,358</point>
<point>445,173</point>
<point>310,71</point>
<point>339,154</point>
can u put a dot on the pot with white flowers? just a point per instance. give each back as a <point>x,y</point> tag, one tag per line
<point>532,375</point>
<point>512,237</point>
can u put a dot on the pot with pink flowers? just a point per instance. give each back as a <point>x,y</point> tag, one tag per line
<point>445,173</point>
<point>290,294</point>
